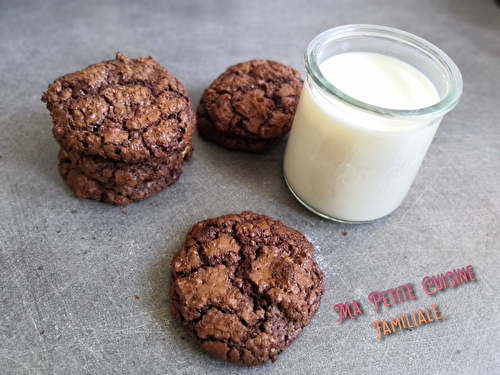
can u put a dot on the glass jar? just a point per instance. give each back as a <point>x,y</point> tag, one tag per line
<point>351,160</point>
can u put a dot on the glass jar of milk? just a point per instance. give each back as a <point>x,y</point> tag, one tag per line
<point>372,101</point>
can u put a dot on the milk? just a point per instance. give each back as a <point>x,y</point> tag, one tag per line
<point>379,80</point>
<point>353,165</point>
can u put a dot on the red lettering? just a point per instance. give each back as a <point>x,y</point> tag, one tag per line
<point>355,308</point>
<point>409,290</point>
<point>390,291</point>
<point>462,275</point>
<point>429,282</point>
<point>402,288</point>
<point>470,273</point>
<point>397,293</point>
<point>442,280</point>
<point>450,278</point>
<point>385,298</point>
<point>343,309</point>
<point>435,284</point>
<point>371,298</point>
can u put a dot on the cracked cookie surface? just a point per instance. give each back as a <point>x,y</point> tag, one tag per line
<point>120,173</point>
<point>111,190</point>
<point>125,109</point>
<point>250,106</point>
<point>244,286</point>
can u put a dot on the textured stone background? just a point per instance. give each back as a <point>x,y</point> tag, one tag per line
<point>70,269</point>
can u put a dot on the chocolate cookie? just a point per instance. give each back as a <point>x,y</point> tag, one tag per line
<point>129,110</point>
<point>111,191</point>
<point>245,286</point>
<point>106,170</point>
<point>250,106</point>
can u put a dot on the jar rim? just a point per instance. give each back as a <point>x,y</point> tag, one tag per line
<point>440,108</point>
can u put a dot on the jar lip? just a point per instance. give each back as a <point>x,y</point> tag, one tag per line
<point>397,36</point>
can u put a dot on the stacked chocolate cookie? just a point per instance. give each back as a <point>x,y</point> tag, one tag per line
<point>124,126</point>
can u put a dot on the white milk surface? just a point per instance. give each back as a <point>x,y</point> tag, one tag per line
<point>380,80</point>
<point>350,165</point>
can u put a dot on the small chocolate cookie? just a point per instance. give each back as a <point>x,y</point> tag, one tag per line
<point>106,170</point>
<point>129,110</point>
<point>250,106</point>
<point>245,286</point>
<point>111,191</point>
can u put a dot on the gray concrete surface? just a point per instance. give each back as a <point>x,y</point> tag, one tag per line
<point>71,269</point>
